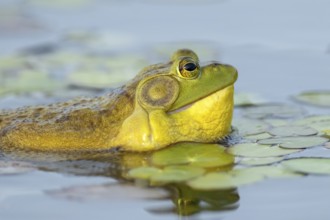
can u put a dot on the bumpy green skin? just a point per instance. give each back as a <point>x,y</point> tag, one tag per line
<point>164,104</point>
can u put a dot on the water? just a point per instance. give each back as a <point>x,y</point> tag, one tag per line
<point>280,49</point>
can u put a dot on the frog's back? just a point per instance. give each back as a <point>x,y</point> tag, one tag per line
<point>76,124</point>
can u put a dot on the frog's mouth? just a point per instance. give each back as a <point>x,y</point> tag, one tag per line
<point>221,97</point>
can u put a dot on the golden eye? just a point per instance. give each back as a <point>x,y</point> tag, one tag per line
<point>188,68</point>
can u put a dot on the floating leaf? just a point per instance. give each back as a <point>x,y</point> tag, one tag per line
<point>258,136</point>
<point>308,165</point>
<point>258,150</point>
<point>29,81</point>
<point>327,133</point>
<point>239,177</point>
<point>172,174</point>
<point>265,172</point>
<point>292,131</point>
<point>143,172</point>
<point>295,142</point>
<point>214,181</point>
<point>272,111</point>
<point>318,122</point>
<point>276,122</point>
<point>318,98</point>
<point>250,126</point>
<point>247,99</point>
<point>259,161</point>
<point>202,155</point>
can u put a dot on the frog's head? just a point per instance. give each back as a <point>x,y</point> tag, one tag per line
<point>182,101</point>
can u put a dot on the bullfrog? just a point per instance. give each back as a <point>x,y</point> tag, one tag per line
<point>166,103</point>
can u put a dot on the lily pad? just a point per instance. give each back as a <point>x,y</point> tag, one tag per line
<point>143,172</point>
<point>247,99</point>
<point>176,174</point>
<point>214,181</point>
<point>295,142</point>
<point>265,172</point>
<point>308,165</point>
<point>258,136</point>
<point>273,111</point>
<point>276,122</point>
<point>318,122</point>
<point>196,154</point>
<point>292,131</point>
<point>259,161</point>
<point>318,98</point>
<point>250,126</point>
<point>259,150</point>
<point>29,81</point>
<point>239,177</point>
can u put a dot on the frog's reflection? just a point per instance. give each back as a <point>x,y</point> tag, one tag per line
<point>187,201</point>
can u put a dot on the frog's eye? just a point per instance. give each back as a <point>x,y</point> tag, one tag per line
<point>188,69</point>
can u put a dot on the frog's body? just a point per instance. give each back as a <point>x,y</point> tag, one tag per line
<point>164,104</point>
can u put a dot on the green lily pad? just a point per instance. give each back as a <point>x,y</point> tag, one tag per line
<point>259,161</point>
<point>239,177</point>
<point>196,154</point>
<point>265,172</point>
<point>317,98</point>
<point>327,133</point>
<point>247,99</point>
<point>276,122</point>
<point>258,136</point>
<point>295,142</point>
<point>292,131</point>
<point>250,126</point>
<point>214,181</point>
<point>176,174</point>
<point>259,150</point>
<point>318,122</point>
<point>308,165</point>
<point>29,81</point>
<point>273,111</point>
<point>143,172</point>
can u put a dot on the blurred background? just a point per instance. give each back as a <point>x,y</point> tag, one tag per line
<point>280,48</point>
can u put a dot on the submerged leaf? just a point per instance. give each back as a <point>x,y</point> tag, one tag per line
<point>258,150</point>
<point>308,165</point>
<point>318,98</point>
<point>202,155</point>
<point>295,142</point>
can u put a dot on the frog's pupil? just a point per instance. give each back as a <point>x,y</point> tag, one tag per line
<point>190,66</point>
